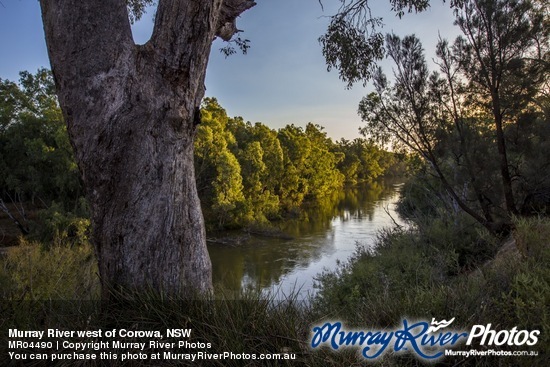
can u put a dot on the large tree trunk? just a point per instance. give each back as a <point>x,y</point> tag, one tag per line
<point>131,113</point>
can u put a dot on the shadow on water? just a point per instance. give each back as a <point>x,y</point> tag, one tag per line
<point>325,233</point>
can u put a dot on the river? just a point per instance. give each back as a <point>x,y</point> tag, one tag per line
<point>318,240</point>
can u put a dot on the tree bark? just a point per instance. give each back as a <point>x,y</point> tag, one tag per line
<point>131,113</point>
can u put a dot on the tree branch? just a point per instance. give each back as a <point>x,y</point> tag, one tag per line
<point>231,9</point>
<point>78,30</point>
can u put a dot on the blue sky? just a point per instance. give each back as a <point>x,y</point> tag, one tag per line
<point>283,79</point>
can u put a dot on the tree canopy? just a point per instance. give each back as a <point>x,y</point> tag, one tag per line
<point>250,174</point>
<point>466,119</point>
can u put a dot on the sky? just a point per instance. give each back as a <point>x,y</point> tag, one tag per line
<point>283,78</point>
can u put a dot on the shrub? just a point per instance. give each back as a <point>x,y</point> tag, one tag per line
<point>57,226</point>
<point>33,272</point>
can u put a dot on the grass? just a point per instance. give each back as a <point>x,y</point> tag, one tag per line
<point>441,269</point>
<point>31,271</point>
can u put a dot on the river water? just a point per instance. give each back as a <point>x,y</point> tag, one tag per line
<point>317,241</point>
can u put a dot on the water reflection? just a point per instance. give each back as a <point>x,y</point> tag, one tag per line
<point>325,233</point>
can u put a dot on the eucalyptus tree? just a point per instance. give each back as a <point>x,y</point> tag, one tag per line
<point>261,157</point>
<point>363,160</point>
<point>495,73</point>
<point>354,43</point>
<point>218,172</point>
<point>131,112</point>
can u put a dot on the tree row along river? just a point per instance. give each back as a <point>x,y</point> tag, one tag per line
<point>324,235</point>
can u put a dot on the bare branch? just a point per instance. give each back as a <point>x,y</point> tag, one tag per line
<point>227,20</point>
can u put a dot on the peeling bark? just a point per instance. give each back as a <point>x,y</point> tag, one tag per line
<point>131,113</point>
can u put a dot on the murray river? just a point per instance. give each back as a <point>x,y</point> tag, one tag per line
<point>323,236</point>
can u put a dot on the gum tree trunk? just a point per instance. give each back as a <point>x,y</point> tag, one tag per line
<point>131,113</point>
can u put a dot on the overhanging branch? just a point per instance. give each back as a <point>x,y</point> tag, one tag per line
<point>227,20</point>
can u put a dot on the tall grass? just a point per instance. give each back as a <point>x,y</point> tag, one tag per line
<point>32,271</point>
<point>438,269</point>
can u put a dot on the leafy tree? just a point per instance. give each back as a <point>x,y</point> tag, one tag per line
<point>322,171</point>
<point>309,165</point>
<point>272,157</point>
<point>36,159</point>
<point>349,163</point>
<point>260,156</point>
<point>296,148</point>
<point>354,43</point>
<point>463,121</point>
<point>262,201</point>
<point>363,160</point>
<point>228,189</point>
<point>218,170</point>
<point>495,74</point>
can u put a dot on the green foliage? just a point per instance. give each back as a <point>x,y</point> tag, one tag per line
<point>36,159</point>
<point>248,174</point>
<point>365,161</point>
<point>419,197</point>
<point>514,70</point>
<point>528,142</point>
<point>351,49</point>
<point>218,171</point>
<point>532,236</point>
<point>353,43</point>
<point>321,170</point>
<point>57,226</point>
<point>309,165</point>
<point>33,272</point>
<point>261,158</point>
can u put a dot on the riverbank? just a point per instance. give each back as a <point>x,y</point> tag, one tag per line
<point>407,275</point>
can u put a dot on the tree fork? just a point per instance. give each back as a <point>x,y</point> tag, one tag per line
<point>131,116</point>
